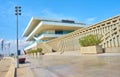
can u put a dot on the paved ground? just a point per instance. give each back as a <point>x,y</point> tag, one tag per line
<point>24,69</point>
<point>4,66</point>
<point>102,65</point>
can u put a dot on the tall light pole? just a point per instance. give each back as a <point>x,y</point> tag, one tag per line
<point>17,13</point>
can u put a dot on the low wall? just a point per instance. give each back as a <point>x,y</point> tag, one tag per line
<point>11,71</point>
<point>112,50</point>
<point>91,49</point>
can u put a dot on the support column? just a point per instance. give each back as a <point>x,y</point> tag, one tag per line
<point>69,44</point>
<point>118,41</point>
<point>110,43</point>
<point>113,42</point>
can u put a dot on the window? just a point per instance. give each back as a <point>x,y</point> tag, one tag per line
<point>59,32</point>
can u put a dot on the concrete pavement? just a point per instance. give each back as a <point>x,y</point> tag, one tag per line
<point>90,65</point>
<point>24,70</point>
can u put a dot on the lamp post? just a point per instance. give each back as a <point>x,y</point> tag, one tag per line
<point>17,13</point>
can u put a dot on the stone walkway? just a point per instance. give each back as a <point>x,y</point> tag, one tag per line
<point>24,70</point>
<point>70,64</point>
<point>4,66</point>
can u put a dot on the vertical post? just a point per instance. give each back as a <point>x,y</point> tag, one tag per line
<point>18,12</point>
<point>17,61</point>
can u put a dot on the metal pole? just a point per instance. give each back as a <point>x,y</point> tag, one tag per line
<point>18,12</point>
<point>17,61</point>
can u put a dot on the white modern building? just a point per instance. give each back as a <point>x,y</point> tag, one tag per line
<point>43,30</point>
<point>109,29</point>
<point>48,30</point>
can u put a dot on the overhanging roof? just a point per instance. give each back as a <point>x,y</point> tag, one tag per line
<point>31,25</point>
<point>36,26</point>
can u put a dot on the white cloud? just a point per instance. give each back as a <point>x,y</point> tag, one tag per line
<point>12,49</point>
<point>6,11</point>
<point>48,13</point>
<point>91,20</point>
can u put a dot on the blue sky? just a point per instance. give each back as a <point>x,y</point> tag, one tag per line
<point>86,11</point>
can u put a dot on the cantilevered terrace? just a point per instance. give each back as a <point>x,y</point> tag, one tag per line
<point>46,29</point>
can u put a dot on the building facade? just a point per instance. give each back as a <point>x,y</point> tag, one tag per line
<point>109,29</point>
<point>43,30</point>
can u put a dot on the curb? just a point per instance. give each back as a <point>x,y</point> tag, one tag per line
<point>11,72</point>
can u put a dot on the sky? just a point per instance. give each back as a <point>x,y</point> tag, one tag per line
<point>85,11</point>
